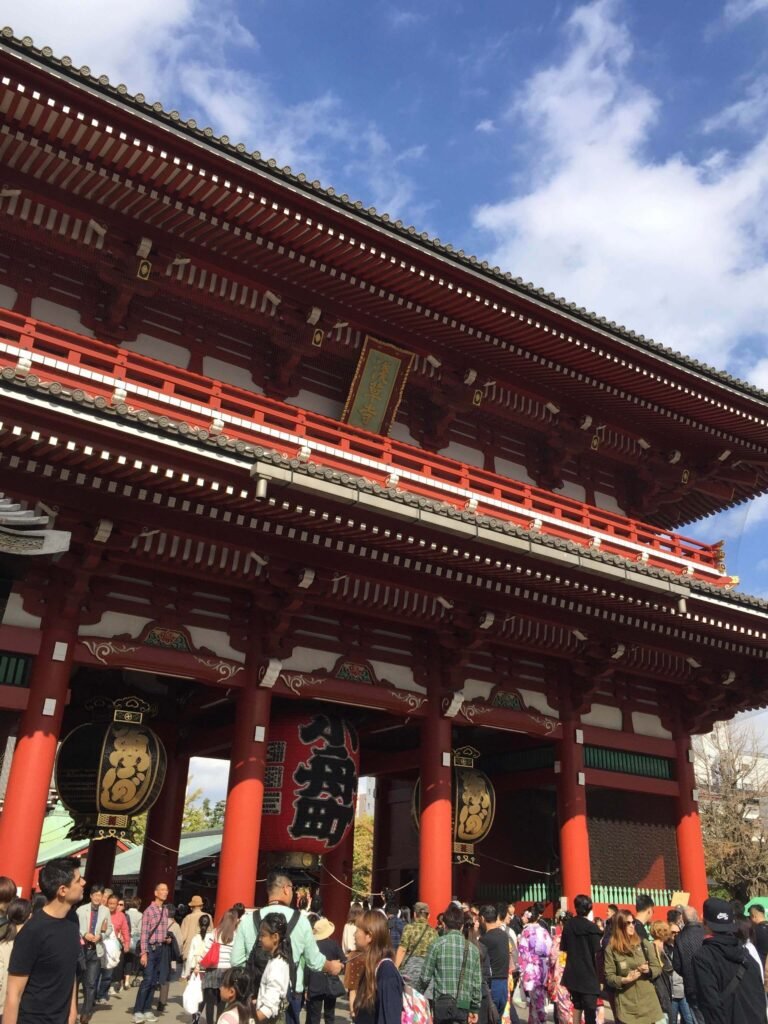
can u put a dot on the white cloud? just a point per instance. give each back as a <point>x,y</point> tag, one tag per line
<point>202,61</point>
<point>673,248</point>
<point>741,10</point>
<point>747,114</point>
<point>209,774</point>
<point>486,126</point>
<point>399,18</point>
<point>735,523</point>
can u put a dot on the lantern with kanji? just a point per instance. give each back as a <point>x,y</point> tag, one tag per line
<point>310,782</point>
<point>473,805</point>
<point>107,773</point>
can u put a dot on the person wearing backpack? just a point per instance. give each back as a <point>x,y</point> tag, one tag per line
<point>729,986</point>
<point>322,990</point>
<point>379,997</point>
<point>246,952</point>
<point>277,979</point>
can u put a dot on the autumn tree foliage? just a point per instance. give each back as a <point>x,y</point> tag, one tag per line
<point>732,777</point>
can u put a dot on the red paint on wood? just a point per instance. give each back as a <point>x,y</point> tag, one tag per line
<point>21,822</point>
<point>631,783</point>
<point>572,812</point>
<point>435,827</point>
<point>239,859</point>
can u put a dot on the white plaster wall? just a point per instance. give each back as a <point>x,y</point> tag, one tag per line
<point>115,624</point>
<point>229,374</point>
<point>538,701</point>
<point>215,641</point>
<point>603,716</point>
<point>573,490</point>
<point>514,470</point>
<point>400,432</point>
<point>317,403</point>
<point>476,689</point>
<point>400,676</point>
<point>8,296</point>
<point>649,725</point>
<point>463,453</point>
<point>62,316</point>
<point>156,348</point>
<point>15,615</point>
<point>607,502</point>
<point>306,659</point>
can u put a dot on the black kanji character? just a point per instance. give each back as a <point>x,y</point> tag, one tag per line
<point>324,820</point>
<point>327,775</point>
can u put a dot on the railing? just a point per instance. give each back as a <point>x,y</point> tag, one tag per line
<point>14,669</point>
<point>520,892</point>
<point>549,892</point>
<point>115,377</point>
<point>626,895</point>
<point>627,762</point>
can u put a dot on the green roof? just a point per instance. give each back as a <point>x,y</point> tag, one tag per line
<point>53,841</point>
<point>65,66</point>
<point>194,846</point>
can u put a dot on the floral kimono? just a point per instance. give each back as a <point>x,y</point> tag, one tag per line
<point>533,958</point>
<point>558,993</point>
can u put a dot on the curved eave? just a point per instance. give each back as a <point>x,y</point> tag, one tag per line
<point>448,257</point>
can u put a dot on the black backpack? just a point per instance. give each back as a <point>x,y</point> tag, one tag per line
<point>258,958</point>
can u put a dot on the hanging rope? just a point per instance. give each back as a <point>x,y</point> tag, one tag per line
<point>509,864</point>
<point>358,892</point>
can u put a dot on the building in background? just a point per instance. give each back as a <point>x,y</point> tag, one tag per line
<point>274,457</point>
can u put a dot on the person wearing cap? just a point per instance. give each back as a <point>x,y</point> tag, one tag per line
<point>729,986</point>
<point>415,941</point>
<point>324,989</point>
<point>190,926</point>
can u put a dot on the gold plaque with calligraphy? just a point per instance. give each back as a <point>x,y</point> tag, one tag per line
<point>377,386</point>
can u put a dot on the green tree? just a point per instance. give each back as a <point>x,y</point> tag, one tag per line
<point>195,818</point>
<point>732,776</point>
<point>362,861</point>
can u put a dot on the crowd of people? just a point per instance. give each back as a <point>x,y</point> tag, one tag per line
<point>62,955</point>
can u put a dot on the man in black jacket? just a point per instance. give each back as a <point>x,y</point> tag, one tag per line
<point>687,943</point>
<point>581,942</point>
<point>729,984</point>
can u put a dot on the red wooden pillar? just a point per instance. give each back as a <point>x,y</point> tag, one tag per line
<point>242,819</point>
<point>435,826</point>
<point>335,895</point>
<point>160,856</point>
<point>690,845</point>
<point>26,797</point>
<point>100,864</point>
<point>572,812</point>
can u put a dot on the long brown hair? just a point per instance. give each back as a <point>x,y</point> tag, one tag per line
<point>375,924</point>
<point>620,939</point>
<point>227,927</point>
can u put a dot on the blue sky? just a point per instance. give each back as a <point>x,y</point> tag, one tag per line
<point>613,152</point>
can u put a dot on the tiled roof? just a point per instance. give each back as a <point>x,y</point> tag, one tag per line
<point>194,846</point>
<point>255,160</point>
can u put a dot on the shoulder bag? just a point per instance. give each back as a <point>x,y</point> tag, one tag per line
<point>447,1009</point>
<point>410,952</point>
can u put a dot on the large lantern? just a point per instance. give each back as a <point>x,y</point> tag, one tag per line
<point>109,772</point>
<point>310,783</point>
<point>474,805</point>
